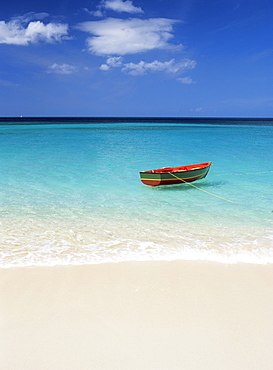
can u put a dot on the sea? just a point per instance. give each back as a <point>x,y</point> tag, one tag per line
<point>70,191</point>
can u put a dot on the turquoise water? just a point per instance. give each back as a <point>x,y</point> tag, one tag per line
<point>71,194</point>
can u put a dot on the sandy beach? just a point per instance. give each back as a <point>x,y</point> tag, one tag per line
<point>137,315</point>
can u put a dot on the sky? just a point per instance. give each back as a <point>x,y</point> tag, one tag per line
<point>133,58</point>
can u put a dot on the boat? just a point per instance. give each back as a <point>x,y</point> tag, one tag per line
<point>175,175</point>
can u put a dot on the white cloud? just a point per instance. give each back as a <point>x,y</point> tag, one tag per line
<point>15,33</point>
<point>104,67</point>
<point>114,61</point>
<point>63,69</point>
<point>31,16</point>
<point>156,66</point>
<point>121,6</point>
<point>186,80</point>
<point>111,62</point>
<point>141,68</point>
<point>128,36</point>
<point>96,13</point>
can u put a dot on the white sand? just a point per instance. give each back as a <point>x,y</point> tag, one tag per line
<point>142,315</point>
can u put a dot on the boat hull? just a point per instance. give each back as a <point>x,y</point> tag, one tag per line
<point>175,175</point>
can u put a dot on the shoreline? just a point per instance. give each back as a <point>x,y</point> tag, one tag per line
<point>137,315</point>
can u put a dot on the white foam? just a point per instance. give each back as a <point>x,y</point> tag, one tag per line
<point>129,250</point>
<point>91,241</point>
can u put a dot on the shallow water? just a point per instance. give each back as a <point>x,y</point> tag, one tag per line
<point>71,194</point>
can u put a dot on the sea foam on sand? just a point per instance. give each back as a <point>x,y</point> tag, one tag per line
<point>137,315</point>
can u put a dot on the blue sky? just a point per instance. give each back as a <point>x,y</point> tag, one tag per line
<point>136,58</point>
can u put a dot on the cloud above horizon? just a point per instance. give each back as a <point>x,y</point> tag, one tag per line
<point>112,38</point>
<point>63,69</point>
<point>30,16</point>
<point>112,62</point>
<point>19,32</point>
<point>128,36</point>
<point>186,80</point>
<point>119,6</point>
<point>141,68</point>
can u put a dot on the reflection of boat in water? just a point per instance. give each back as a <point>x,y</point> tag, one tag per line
<point>175,175</point>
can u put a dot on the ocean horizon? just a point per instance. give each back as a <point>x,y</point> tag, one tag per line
<point>71,193</point>
<point>265,121</point>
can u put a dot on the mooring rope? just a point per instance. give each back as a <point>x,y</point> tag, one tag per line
<point>205,191</point>
<point>217,196</point>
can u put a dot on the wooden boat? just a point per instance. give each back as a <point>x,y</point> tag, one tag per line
<point>175,175</point>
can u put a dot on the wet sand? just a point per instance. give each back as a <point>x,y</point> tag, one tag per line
<point>137,315</point>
